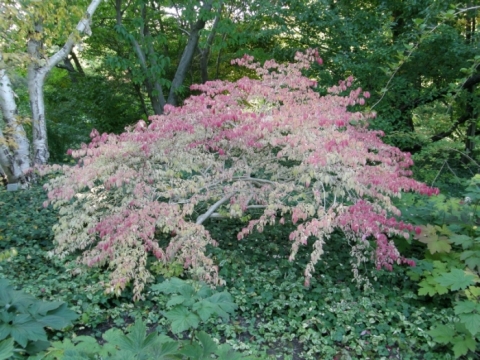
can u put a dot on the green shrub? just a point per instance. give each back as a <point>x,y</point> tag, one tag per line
<point>451,233</point>
<point>188,306</point>
<point>24,319</point>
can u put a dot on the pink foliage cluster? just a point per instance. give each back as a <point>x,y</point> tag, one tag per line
<point>270,144</point>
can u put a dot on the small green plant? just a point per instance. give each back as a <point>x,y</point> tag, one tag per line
<point>137,344</point>
<point>167,270</point>
<point>452,264</point>
<point>24,318</point>
<point>192,304</point>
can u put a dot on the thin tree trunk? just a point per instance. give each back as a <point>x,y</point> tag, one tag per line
<point>205,52</point>
<point>36,79</point>
<point>140,97</point>
<point>14,146</point>
<point>77,63</point>
<point>157,88</point>
<point>187,55</point>
<point>470,28</point>
<point>154,89</point>
<point>217,66</point>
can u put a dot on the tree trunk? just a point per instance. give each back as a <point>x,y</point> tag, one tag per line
<point>77,63</point>
<point>205,52</point>
<point>187,55</point>
<point>154,89</point>
<point>14,146</point>
<point>217,65</point>
<point>36,79</point>
<point>37,71</point>
<point>470,28</point>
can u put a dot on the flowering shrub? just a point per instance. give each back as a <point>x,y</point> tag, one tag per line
<point>270,143</point>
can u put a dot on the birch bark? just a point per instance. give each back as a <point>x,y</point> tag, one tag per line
<point>37,71</point>
<point>14,145</point>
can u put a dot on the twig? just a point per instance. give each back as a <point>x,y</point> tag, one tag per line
<point>439,172</point>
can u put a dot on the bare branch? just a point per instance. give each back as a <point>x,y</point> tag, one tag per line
<point>212,209</point>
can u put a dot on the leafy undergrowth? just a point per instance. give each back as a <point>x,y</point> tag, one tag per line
<point>277,317</point>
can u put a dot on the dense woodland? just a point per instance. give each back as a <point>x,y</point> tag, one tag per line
<point>223,179</point>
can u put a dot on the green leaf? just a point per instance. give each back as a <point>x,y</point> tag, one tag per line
<point>455,280</point>
<point>471,258</point>
<point>34,347</point>
<point>441,245</point>
<point>43,307</point>
<point>442,334</point>
<point>193,351</point>
<point>418,21</point>
<point>24,329</point>
<point>462,240</point>
<point>472,322</point>
<point>163,348</point>
<point>204,309</point>
<point>473,262</point>
<point>224,302</point>
<point>170,286</point>
<point>136,341</point>
<point>204,292</point>
<point>430,237</point>
<point>208,344</point>
<point>225,352</point>
<point>118,338</point>
<point>176,300</point>
<point>182,319</point>
<point>54,321</point>
<point>466,307</point>
<point>90,345</point>
<point>6,349</point>
<point>63,311</point>
<point>12,298</point>
<point>4,329</point>
<point>430,287</point>
<point>187,291</point>
<point>462,345</point>
<point>469,314</point>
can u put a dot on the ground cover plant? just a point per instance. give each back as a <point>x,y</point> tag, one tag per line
<point>277,317</point>
<point>270,144</point>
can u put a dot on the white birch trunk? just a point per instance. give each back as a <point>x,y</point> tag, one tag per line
<point>14,146</point>
<point>36,79</point>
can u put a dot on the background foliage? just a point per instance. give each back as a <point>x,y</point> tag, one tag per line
<point>418,60</point>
